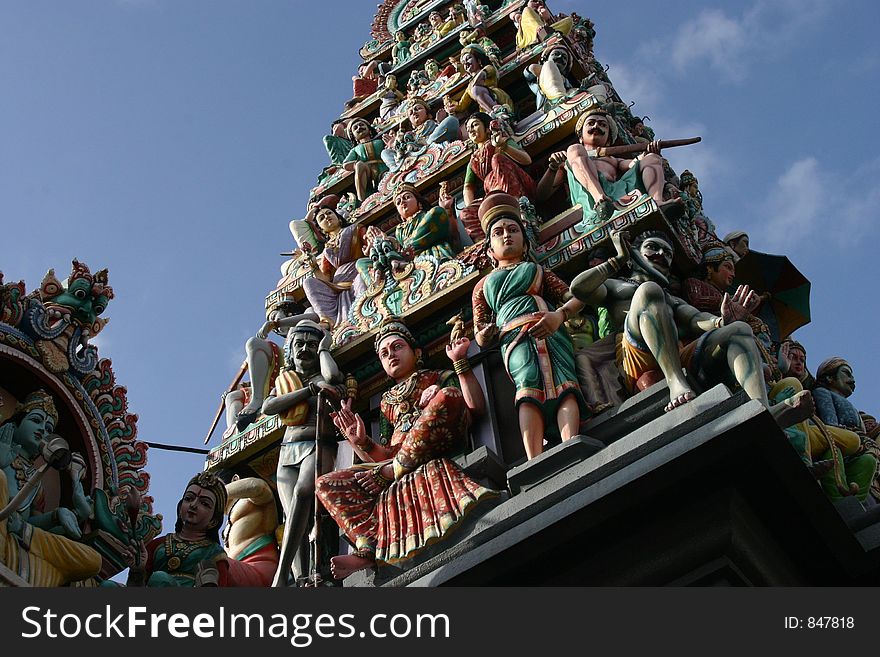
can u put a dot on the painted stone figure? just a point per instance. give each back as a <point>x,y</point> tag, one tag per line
<point>483,86</point>
<point>793,362</point>
<point>440,28</point>
<point>335,282</point>
<point>550,79</point>
<point>738,243</point>
<point>596,182</point>
<point>249,534</point>
<point>391,506</point>
<point>432,70</point>
<point>37,543</point>
<point>527,305</point>
<point>535,23</point>
<point>496,165</point>
<point>364,84</point>
<point>337,146</point>
<point>365,158</point>
<point>391,97</point>
<point>401,51</point>
<point>187,556</point>
<point>707,292</point>
<point>476,12</point>
<point>835,383</point>
<point>649,320</point>
<point>336,143</point>
<point>308,368</point>
<point>422,229</point>
<point>449,118</point>
<point>478,37</point>
<point>243,404</point>
<point>423,131</point>
<point>70,317</point>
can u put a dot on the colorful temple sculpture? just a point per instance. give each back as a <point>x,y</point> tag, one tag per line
<point>73,497</point>
<point>492,201</point>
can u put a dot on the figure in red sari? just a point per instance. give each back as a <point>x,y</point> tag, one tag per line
<point>496,165</point>
<point>407,493</point>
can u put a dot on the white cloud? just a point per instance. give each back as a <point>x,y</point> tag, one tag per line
<point>715,38</point>
<point>793,205</point>
<point>729,44</point>
<point>809,199</point>
<point>636,84</point>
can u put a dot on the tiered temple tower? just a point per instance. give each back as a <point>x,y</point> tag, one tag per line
<point>685,483</point>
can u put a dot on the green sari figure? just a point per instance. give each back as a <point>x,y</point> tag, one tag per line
<point>518,301</point>
<point>423,229</point>
<point>176,559</point>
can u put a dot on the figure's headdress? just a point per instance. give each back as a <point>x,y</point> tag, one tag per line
<point>406,187</point>
<point>330,201</point>
<point>828,367</point>
<point>496,205</point>
<point>735,235</point>
<point>481,53</point>
<point>794,344</point>
<point>304,326</point>
<point>715,253</point>
<point>418,100</point>
<point>394,326</point>
<point>38,400</point>
<point>308,326</point>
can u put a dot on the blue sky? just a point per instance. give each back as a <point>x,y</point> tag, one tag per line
<point>172,142</point>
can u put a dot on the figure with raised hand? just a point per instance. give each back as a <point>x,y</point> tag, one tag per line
<point>407,493</point>
<point>423,132</point>
<point>793,362</point>
<point>483,86</point>
<point>650,320</point>
<point>706,292</point>
<point>37,543</point>
<point>526,306</point>
<point>308,368</point>
<point>495,166</point>
<point>243,404</point>
<point>335,282</point>
<point>391,97</point>
<point>422,229</point>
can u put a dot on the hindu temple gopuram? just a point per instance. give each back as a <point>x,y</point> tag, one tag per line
<point>508,347</point>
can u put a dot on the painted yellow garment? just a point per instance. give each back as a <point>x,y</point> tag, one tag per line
<point>48,559</point>
<point>491,82</point>
<point>551,82</point>
<point>848,441</point>
<point>529,24</point>
<point>287,381</point>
